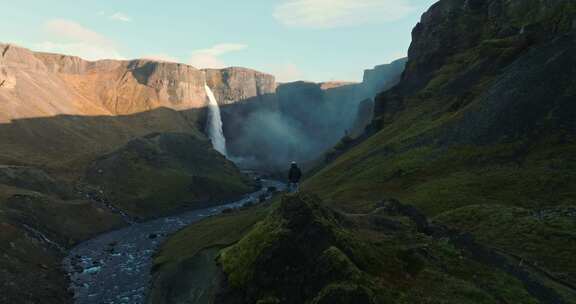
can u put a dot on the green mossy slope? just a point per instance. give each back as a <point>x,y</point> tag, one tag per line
<point>185,270</point>
<point>161,173</point>
<point>305,253</point>
<point>480,135</point>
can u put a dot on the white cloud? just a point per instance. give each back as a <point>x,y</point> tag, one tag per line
<point>161,57</point>
<point>83,50</point>
<point>119,16</point>
<point>69,37</point>
<point>210,58</point>
<point>286,72</point>
<point>73,31</point>
<point>323,14</point>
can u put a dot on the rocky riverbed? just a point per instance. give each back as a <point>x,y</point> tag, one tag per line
<point>115,267</point>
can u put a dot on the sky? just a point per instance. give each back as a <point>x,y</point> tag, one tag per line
<point>315,40</point>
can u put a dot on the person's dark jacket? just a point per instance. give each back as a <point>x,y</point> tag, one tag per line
<point>295,174</point>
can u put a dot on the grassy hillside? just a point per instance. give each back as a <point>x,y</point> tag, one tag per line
<point>480,135</point>
<point>161,173</point>
<point>533,175</point>
<point>305,253</point>
<point>483,139</point>
<point>42,216</point>
<point>35,228</point>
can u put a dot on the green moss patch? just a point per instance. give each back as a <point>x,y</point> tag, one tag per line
<point>305,253</point>
<point>185,268</point>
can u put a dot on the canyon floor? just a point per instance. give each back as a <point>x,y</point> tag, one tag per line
<point>115,267</point>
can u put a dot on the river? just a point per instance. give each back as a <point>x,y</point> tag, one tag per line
<point>115,267</point>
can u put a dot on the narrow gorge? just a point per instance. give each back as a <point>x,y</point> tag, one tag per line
<point>127,141</point>
<point>447,176</point>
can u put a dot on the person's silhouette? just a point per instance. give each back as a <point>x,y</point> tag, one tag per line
<point>294,176</point>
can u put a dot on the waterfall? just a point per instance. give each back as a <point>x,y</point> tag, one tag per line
<point>214,123</point>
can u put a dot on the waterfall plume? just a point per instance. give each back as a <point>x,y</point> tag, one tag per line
<point>214,123</point>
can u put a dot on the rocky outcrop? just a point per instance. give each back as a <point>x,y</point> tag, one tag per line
<point>235,84</point>
<point>303,241</point>
<point>451,27</point>
<point>382,77</point>
<point>363,118</point>
<point>334,84</point>
<point>501,66</point>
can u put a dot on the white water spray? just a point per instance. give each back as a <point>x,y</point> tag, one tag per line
<point>214,123</point>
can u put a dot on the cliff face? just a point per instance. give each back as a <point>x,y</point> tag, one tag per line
<point>236,84</point>
<point>500,65</point>
<point>480,132</point>
<point>39,84</point>
<point>489,85</point>
<point>452,27</point>
<point>45,85</point>
<point>383,77</point>
<point>35,87</point>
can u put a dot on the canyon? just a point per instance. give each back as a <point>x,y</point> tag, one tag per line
<point>99,106</point>
<point>444,177</point>
<point>91,146</point>
<point>460,190</point>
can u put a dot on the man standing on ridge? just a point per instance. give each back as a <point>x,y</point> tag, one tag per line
<point>294,176</point>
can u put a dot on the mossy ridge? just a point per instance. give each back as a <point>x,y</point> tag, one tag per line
<point>220,230</point>
<point>240,266</point>
<point>288,228</point>
<point>358,264</point>
<point>176,259</point>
